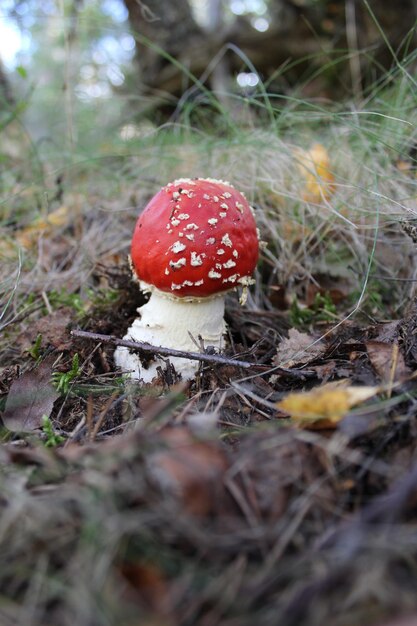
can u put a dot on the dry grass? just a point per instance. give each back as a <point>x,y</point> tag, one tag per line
<point>340,234</point>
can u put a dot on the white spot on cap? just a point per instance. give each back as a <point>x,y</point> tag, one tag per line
<point>174,286</point>
<point>180,234</point>
<point>240,207</point>
<point>229,264</point>
<point>187,283</point>
<point>222,214</point>
<point>226,241</point>
<point>232,279</point>
<point>235,253</point>
<point>190,237</point>
<point>176,265</point>
<point>220,251</point>
<point>166,271</point>
<point>227,195</point>
<point>187,192</point>
<point>206,196</point>
<point>176,195</point>
<point>196,259</point>
<point>183,216</point>
<point>216,198</point>
<point>212,221</point>
<point>191,227</point>
<point>198,282</point>
<point>210,241</point>
<point>224,205</point>
<point>213,274</point>
<point>178,246</point>
<point>246,281</point>
<point>175,222</point>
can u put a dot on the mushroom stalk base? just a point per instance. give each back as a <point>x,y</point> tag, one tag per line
<point>167,322</point>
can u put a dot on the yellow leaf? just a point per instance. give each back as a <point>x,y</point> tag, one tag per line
<point>314,165</point>
<point>59,217</point>
<point>29,235</point>
<point>326,406</point>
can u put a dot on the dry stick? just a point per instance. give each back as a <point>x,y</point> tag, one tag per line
<point>147,347</point>
<point>193,356</point>
<point>104,411</point>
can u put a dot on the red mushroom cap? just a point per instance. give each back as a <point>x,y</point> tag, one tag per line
<point>195,238</point>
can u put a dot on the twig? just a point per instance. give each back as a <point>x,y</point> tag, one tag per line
<point>147,347</point>
<point>102,416</point>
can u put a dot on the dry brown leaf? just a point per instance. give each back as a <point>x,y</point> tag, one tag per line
<point>30,397</point>
<point>147,580</point>
<point>328,369</point>
<point>54,330</point>
<point>325,406</point>
<point>298,349</point>
<point>387,361</point>
<point>190,470</point>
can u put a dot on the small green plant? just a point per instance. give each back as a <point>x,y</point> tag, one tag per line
<point>102,297</point>
<point>63,380</point>
<point>35,350</point>
<point>63,298</point>
<point>322,310</point>
<point>51,438</point>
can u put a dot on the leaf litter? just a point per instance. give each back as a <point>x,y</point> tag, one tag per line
<point>193,525</point>
<point>31,397</point>
<point>248,520</point>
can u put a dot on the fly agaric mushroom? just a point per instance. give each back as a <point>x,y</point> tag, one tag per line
<point>194,241</point>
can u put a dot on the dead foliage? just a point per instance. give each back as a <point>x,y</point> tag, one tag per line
<point>31,397</point>
<point>217,508</point>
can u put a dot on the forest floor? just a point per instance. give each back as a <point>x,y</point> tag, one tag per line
<point>285,492</point>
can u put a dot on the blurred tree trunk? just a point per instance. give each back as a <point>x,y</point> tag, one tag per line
<point>6,92</point>
<point>307,36</point>
<point>170,26</point>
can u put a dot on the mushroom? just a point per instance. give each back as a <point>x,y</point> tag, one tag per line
<point>194,241</point>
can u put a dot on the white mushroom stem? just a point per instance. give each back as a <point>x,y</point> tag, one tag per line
<point>169,322</point>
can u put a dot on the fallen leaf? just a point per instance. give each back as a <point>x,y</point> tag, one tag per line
<point>328,369</point>
<point>314,165</point>
<point>147,580</point>
<point>298,349</point>
<point>30,397</point>
<point>54,330</point>
<point>56,219</point>
<point>325,406</point>
<point>387,361</point>
<point>190,470</point>
<point>386,331</point>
